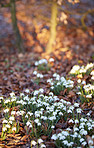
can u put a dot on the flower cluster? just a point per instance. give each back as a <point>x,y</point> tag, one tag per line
<point>76,69</point>
<point>86,92</point>
<point>75,137</point>
<point>60,83</point>
<point>43,64</point>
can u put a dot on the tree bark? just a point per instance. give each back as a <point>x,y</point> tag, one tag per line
<point>53,26</point>
<point>19,43</point>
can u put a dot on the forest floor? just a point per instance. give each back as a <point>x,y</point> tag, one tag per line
<point>73,47</point>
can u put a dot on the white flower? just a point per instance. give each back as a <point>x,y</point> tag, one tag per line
<point>92,77</point>
<point>7,126</point>
<point>41,90</point>
<point>40,140</point>
<point>13,112</point>
<point>89,96</point>
<point>39,124</point>
<point>1,98</point>
<point>76,129</point>
<point>83,82</point>
<point>33,142</point>
<point>5,121</point>
<point>11,118</point>
<point>76,104</point>
<point>36,92</point>
<point>69,111</point>
<point>27,91</point>
<point>92,136</point>
<point>42,146</point>
<point>84,143</point>
<point>76,121</point>
<point>78,93</point>
<point>36,120</point>
<point>10,122</point>
<point>71,121</point>
<point>92,72</point>
<point>6,101</point>
<point>79,110</point>
<point>4,129</point>
<point>79,80</point>
<point>6,110</point>
<point>14,129</point>
<point>65,142</point>
<point>83,132</point>
<point>21,94</point>
<point>82,139</point>
<point>54,137</point>
<point>51,60</point>
<point>28,123</point>
<point>12,94</point>
<point>35,73</point>
<point>52,126</point>
<point>90,142</point>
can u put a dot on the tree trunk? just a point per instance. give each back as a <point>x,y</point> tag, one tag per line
<point>53,25</point>
<point>19,43</point>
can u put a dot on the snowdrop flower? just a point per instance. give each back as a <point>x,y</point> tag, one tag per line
<point>7,126</point>
<point>35,73</point>
<point>71,121</point>
<point>13,112</point>
<point>33,142</point>
<point>12,94</point>
<point>11,118</point>
<point>74,69</point>
<point>4,129</point>
<point>52,126</point>
<point>6,101</point>
<point>6,110</point>
<point>1,98</point>
<point>92,72</point>
<point>39,124</point>
<point>76,121</point>
<point>21,94</point>
<point>65,133</point>
<point>52,87</point>
<point>42,146</point>
<point>41,90</point>
<point>54,137</point>
<point>89,96</point>
<point>83,82</point>
<point>89,66</point>
<point>65,142</point>
<point>28,123</point>
<point>71,108</point>
<point>69,111</point>
<point>51,60</point>
<point>92,77</point>
<point>40,140</point>
<point>84,143</point>
<point>79,80</point>
<point>76,129</point>
<point>27,91</point>
<point>13,99</point>
<point>5,121</point>
<point>10,122</point>
<point>39,75</point>
<point>36,120</point>
<point>36,63</point>
<point>79,110</point>
<point>78,93</point>
<point>76,104</point>
<point>82,139</point>
<point>92,136</point>
<point>83,132</point>
<point>36,92</point>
